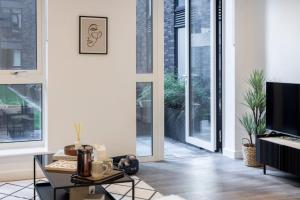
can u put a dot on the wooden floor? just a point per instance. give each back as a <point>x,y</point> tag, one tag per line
<point>212,176</point>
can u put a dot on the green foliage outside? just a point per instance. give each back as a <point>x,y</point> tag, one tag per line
<point>174,92</point>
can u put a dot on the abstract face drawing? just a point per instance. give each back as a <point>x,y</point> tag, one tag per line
<point>94,34</point>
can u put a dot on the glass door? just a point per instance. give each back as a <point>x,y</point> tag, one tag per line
<point>200,98</point>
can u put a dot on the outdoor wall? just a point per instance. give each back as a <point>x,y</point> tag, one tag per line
<point>169,36</point>
<point>144,29</point>
<point>17,36</point>
<point>96,90</point>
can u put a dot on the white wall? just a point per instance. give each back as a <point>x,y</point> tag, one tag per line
<point>229,80</point>
<point>259,34</point>
<point>249,32</point>
<point>244,51</point>
<point>283,41</point>
<point>96,90</point>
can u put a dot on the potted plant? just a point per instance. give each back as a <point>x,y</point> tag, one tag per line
<point>254,121</point>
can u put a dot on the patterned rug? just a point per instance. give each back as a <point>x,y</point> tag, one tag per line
<point>18,190</point>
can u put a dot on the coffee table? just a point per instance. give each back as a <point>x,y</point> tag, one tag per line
<point>59,183</point>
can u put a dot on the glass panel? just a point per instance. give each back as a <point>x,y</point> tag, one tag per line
<point>144,36</point>
<point>144,119</point>
<point>180,3</point>
<point>175,93</point>
<point>175,107</point>
<point>20,112</point>
<point>181,52</point>
<point>18,35</point>
<point>200,64</point>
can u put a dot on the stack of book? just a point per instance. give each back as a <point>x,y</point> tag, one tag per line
<point>65,166</point>
<point>60,155</point>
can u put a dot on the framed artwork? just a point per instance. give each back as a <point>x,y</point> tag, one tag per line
<point>93,33</point>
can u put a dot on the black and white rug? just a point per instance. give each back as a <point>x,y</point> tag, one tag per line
<point>19,190</point>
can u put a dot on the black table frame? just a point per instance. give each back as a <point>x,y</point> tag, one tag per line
<point>35,184</point>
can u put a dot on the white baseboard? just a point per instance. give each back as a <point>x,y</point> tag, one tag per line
<point>232,154</point>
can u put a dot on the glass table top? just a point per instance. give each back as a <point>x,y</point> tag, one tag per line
<point>63,180</point>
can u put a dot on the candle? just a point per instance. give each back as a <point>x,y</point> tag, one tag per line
<point>100,152</point>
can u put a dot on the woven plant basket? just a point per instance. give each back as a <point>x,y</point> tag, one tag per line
<point>249,154</point>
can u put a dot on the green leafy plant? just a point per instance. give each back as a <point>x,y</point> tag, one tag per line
<point>174,92</point>
<point>255,99</point>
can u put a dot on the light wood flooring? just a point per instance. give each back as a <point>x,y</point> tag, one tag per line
<point>211,176</point>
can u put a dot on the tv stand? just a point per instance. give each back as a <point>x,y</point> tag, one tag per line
<point>272,133</point>
<point>279,151</point>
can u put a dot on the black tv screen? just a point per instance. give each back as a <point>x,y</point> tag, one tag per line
<point>283,108</point>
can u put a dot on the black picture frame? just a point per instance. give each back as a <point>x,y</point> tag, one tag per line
<point>104,33</point>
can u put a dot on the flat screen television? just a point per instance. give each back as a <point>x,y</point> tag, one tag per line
<point>283,108</point>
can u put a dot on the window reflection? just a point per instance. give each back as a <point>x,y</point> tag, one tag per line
<point>20,112</point>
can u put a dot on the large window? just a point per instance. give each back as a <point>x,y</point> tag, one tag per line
<point>21,84</point>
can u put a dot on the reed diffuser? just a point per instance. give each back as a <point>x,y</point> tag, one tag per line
<point>78,132</point>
